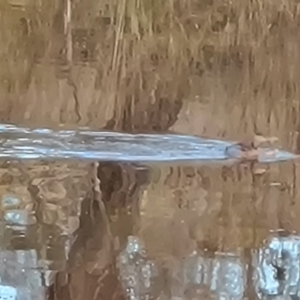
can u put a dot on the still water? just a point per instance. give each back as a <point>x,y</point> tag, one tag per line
<point>105,215</point>
<point>144,217</point>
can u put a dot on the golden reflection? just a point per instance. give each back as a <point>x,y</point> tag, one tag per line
<point>181,231</point>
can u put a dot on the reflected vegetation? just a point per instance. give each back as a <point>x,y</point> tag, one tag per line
<point>82,217</point>
<point>128,231</point>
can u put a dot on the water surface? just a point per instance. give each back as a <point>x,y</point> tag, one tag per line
<point>139,218</point>
<point>103,215</point>
<point>84,144</point>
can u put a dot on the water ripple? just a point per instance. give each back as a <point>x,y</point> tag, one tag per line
<point>84,144</point>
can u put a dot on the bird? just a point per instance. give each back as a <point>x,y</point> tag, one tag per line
<point>252,149</point>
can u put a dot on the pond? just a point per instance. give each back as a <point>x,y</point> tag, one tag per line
<point>123,168</point>
<point>144,216</point>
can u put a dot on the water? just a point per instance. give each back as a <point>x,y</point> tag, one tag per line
<point>84,144</point>
<point>104,215</point>
<point>151,215</point>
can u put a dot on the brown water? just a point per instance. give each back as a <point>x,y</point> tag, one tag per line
<point>121,230</point>
<point>76,228</point>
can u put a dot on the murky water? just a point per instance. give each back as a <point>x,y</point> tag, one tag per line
<point>144,217</point>
<point>98,214</point>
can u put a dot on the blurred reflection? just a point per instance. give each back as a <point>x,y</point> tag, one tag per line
<point>20,275</point>
<point>202,67</point>
<point>228,276</point>
<point>222,276</point>
<point>277,268</point>
<point>39,212</point>
<point>276,272</point>
<point>8,292</point>
<point>139,275</point>
<point>130,231</point>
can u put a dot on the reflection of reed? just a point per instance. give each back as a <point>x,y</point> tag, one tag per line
<point>272,272</point>
<point>90,259</point>
<point>138,274</point>
<point>222,275</point>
